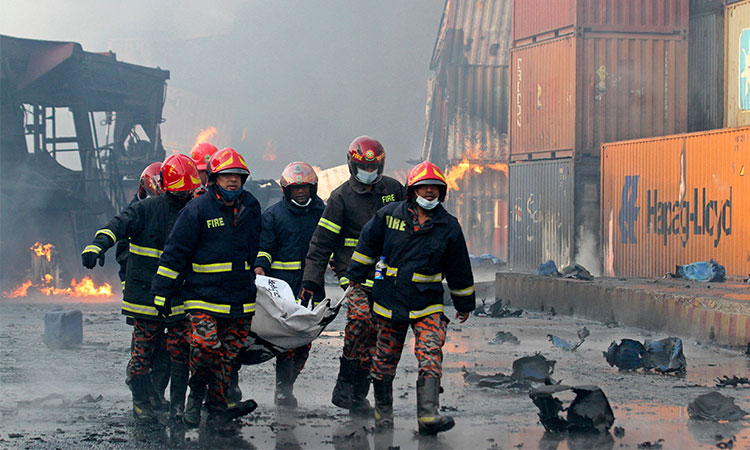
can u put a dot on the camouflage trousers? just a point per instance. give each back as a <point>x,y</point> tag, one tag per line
<point>151,337</point>
<point>360,332</point>
<point>429,337</point>
<point>214,344</point>
<point>299,355</point>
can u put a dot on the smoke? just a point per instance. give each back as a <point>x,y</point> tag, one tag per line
<point>307,76</point>
<point>587,251</point>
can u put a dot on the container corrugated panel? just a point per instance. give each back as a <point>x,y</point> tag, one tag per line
<point>541,213</point>
<point>537,20</point>
<point>574,93</point>
<point>706,71</point>
<point>737,64</point>
<point>702,6</point>
<point>481,206</point>
<point>474,32</point>
<point>468,115</point>
<point>671,200</point>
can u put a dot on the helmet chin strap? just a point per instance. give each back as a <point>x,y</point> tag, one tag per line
<point>305,205</point>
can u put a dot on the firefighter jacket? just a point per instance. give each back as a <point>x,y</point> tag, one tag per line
<point>146,224</point>
<point>417,261</point>
<point>349,207</point>
<point>212,246</point>
<point>285,238</point>
<point>121,250</point>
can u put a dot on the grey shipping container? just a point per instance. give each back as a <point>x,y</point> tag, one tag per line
<point>540,225</point>
<point>706,71</point>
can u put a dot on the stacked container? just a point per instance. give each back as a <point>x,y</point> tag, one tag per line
<point>584,72</point>
<point>737,64</point>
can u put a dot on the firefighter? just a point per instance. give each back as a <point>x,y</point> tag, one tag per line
<point>201,155</point>
<point>288,226</point>
<point>415,243</point>
<point>212,247</point>
<point>349,207</point>
<point>147,224</point>
<point>148,186</point>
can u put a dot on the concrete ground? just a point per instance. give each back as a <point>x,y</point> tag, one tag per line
<point>648,406</point>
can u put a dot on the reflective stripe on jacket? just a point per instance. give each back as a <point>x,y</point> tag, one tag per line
<point>212,246</point>
<point>285,239</point>
<point>349,207</point>
<point>417,262</point>
<point>145,224</point>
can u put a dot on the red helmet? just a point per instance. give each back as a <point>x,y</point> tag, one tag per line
<point>201,154</point>
<point>227,160</point>
<point>148,184</point>
<point>298,174</point>
<point>427,173</point>
<point>365,152</point>
<point>179,174</point>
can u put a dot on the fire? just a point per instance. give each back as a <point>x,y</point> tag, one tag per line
<point>457,171</point>
<point>84,288</point>
<point>42,250</point>
<point>20,291</point>
<point>206,135</point>
<point>269,154</point>
<point>244,134</point>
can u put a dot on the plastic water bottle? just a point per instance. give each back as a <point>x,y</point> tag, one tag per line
<point>380,268</point>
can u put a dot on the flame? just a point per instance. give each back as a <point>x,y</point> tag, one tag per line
<point>244,134</point>
<point>84,288</point>
<point>20,291</point>
<point>42,250</point>
<point>206,135</point>
<point>269,154</point>
<point>457,171</point>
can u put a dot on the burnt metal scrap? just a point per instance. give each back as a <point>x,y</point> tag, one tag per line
<point>497,310</point>
<point>588,412</point>
<point>527,371</point>
<point>504,337</point>
<point>733,381</point>
<point>714,406</point>
<point>663,356</point>
<point>567,345</point>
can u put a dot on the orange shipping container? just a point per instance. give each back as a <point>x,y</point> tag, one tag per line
<point>574,93</point>
<point>676,200</point>
<point>538,20</point>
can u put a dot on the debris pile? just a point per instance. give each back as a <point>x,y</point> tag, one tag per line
<point>572,271</point>
<point>588,412</point>
<point>527,371</point>
<point>497,310</point>
<point>663,356</point>
<point>700,271</point>
<point>715,407</point>
<point>504,337</point>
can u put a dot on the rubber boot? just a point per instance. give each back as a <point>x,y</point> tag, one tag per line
<point>360,389</point>
<point>177,389</point>
<point>285,375</point>
<point>429,420</point>
<point>142,409</point>
<point>234,393</point>
<point>160,374</point>
<point>192,416</point>
<point>219,417</point>
<point>343,391</point>
<point>383,390</point>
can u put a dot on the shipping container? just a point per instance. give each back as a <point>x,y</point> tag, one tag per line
<point>539,20</point>
<point>541,215</point>
<point>478,197</point>
<point>706,71</point>
<point>702,6</point>
<point>737,66</point>
<point>571,94</point>
<point>670,200</point>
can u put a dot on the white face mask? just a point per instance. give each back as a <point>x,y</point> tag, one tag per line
<point>365,177</point>
<point>427,204</point>
<point>302,205</point>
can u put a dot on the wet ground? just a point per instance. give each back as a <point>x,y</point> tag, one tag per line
<point>51,399</point>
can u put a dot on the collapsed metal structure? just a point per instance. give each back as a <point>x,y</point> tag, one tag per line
<point>41,199</point>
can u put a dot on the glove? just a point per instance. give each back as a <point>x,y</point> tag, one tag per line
<point>90,254</point>
<point>162,305</point>
<point>308,290</point>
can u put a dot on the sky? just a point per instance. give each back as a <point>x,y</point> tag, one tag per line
<point>291,79</point>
